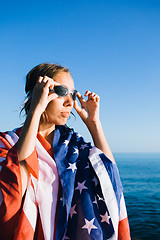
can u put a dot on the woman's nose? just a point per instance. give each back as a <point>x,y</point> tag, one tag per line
<point>68,101</point>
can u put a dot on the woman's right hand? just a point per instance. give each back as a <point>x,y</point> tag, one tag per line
<point>41,96</point>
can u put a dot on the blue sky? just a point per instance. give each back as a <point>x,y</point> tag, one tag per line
<point>110,47</point>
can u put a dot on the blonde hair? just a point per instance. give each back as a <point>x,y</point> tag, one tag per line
<point>43,69</point>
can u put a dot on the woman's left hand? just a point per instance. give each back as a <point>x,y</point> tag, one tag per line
<point>89,110</point>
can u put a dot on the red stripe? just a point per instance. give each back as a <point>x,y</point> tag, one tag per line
<point>4,141</point>
<point>10,185</point>
<point>33,164</point>
<point>24,229</point>
<point>123,230</point>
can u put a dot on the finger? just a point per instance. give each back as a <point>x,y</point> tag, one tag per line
<point>77,107</point>
<point>51,80</point>
<point>91,95</point>
<point>97,98</point>
<point>87,93</point>
<point>45,79</point>
<point>52,83</point>
<point>40,79</point>
<point>49,84</point>
<point>80,98</point>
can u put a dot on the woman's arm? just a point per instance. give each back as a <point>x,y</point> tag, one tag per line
<point>89,113</point>
<point>27,138</point>
<point>99,139</point>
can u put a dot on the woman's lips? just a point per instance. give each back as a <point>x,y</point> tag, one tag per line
<point>65,114</point>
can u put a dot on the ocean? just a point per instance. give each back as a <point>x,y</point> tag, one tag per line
<point>140,176</point>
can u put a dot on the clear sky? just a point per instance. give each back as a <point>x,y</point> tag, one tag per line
<point>110,47</point>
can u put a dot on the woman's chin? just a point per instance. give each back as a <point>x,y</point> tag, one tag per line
<point>61,122</point>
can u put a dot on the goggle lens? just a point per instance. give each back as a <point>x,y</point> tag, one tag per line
<point>63,91</point>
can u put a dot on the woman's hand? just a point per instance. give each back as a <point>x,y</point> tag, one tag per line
<point>41,96</point>
<point>89,113</point>
<point>89,110</point>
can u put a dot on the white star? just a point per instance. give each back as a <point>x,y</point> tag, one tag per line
<point>87,166</point>
<point>83,146</point>
<point>81,186</point>
<point>89,225</point>
<point>72,211</point>
<point>65,237</point>
<point>95,180</point>
<point>99,198</point>
<point>63,200</point>
<point>66,142</point>
<point>95,201</point>
<point>75,151</point>
<point>105,218</point>
<point>72,166</point>
<point>78,135</point>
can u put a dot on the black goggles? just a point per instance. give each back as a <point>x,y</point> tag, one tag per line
<point>63,91</point>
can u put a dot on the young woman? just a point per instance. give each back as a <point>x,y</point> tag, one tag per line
<point>54,185</point>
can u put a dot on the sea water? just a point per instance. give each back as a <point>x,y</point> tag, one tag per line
<point>140,176</point>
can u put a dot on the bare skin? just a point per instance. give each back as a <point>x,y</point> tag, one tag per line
<point>58,110</point>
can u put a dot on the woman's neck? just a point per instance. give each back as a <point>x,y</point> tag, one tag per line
<point>47,131</point>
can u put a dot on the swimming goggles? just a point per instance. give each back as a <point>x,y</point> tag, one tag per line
<point>63,91</point>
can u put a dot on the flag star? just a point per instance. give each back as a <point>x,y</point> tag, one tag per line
<point>72,166</point>
<point>63,200</point>
<point>87,166</point>
<point>75,151</point>
<point>83,146</point>
<point>95,180</point>
<point>95,201</point>
<point>81,186</point>
<point>78,135</point>
<point>99,198</point>
<point>65,237</point>
<point>72,211</point>
<point>89,225</point>
<point>66,142</point>
<point>105,218</point>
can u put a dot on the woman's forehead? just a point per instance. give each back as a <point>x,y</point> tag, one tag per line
<point>64,78</point>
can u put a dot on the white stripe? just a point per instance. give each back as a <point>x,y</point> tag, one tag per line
<point>11,137</point>
<point>123,211</point>
<point>29,207</point>
<point>107,188</point>
<point>48,182</point>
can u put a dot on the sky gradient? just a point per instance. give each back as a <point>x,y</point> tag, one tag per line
<point>110,47</point>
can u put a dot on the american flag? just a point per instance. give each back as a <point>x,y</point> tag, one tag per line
<point>91,203</point>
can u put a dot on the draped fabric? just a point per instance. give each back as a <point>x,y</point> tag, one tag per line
<point>77,195</point>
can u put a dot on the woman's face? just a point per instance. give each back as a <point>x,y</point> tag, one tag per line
<point>58,110</point>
